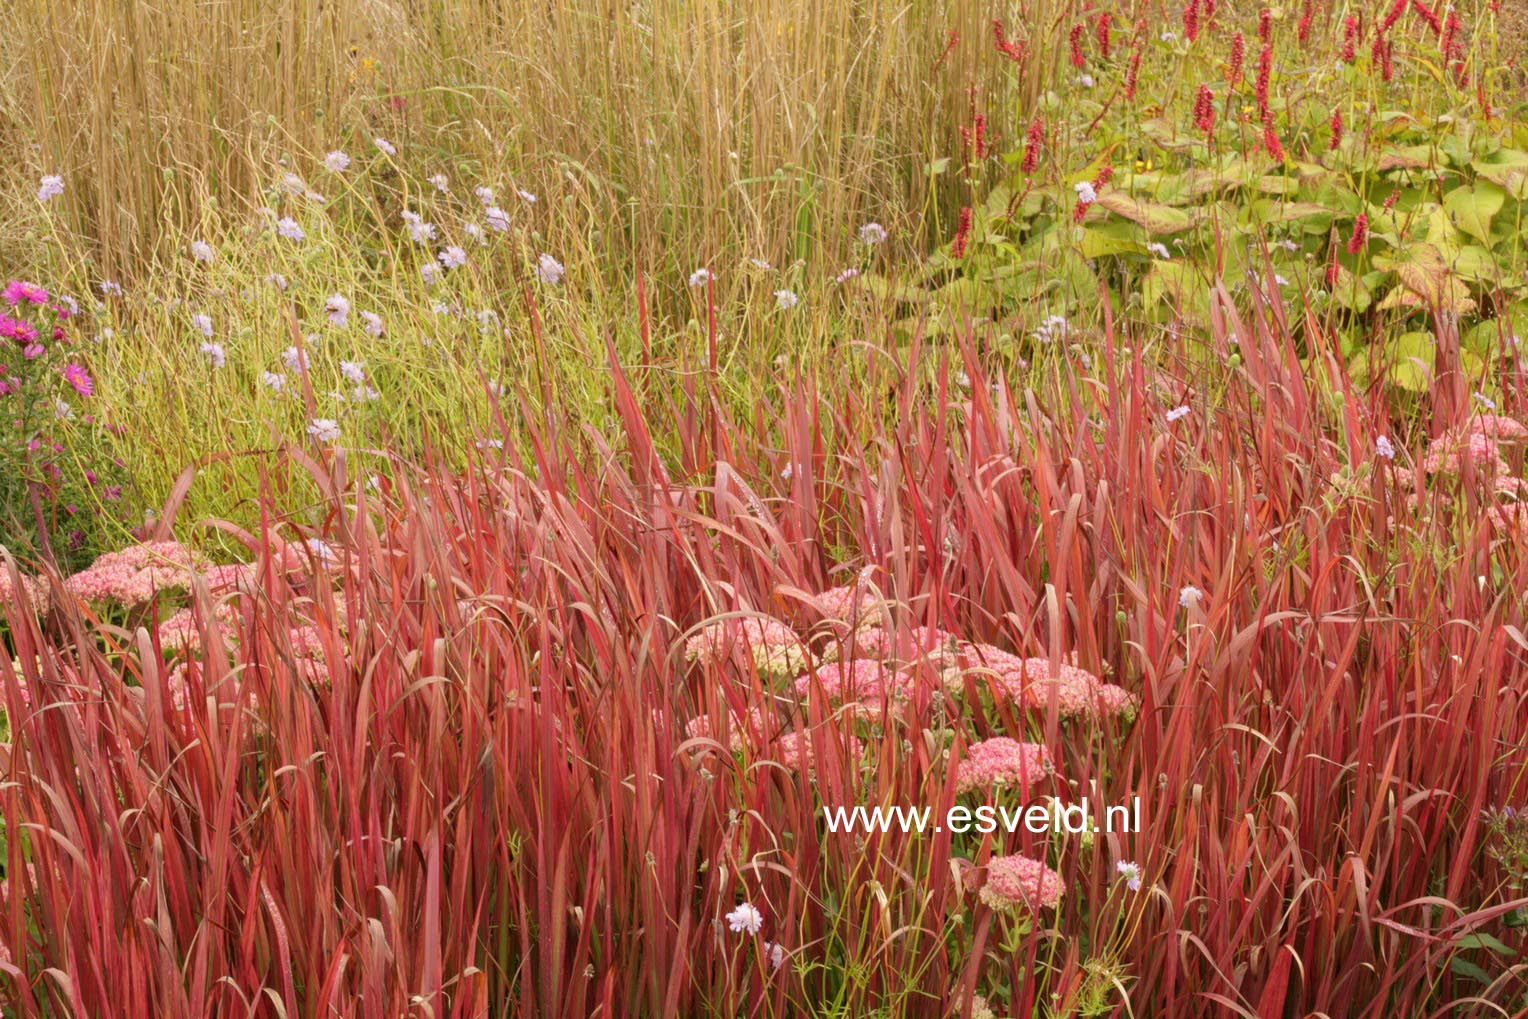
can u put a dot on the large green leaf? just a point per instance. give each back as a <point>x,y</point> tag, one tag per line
<point>1156,218</point>
<point>1471,207</point>
<point>1411,360</point>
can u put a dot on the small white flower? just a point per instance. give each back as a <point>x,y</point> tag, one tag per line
<point>324,429</point>
<point>700,277</point>
<point>203,323</point>
<point>385,145</point>
<point>1384,448</point>
<point>1190,595</point>
<point>440,182</point>
<point>1085,80</point>
<point>497,218</point>
<point>373,322</point>
<point>1288,245</point>
<point>775,953</point>
<point>1131,872</point>
<point>288,227</point>
<point>1085,193</point>
<point>1280,280</point>
<point>337,309</point>
<point>526,196</point>
<point>51,186</point>
<point>962,380</point>
<point>355,371</point>
<point>201,251</point>
<point>452,257</point>
<point>1054,328</point>
<point>759,263</point>
<point>1159,249</point>
<point>745,919</point>
<point>62,409</point>
<point>484,194</point>
<point>872,233</point>
<point>785,300</point>
<point>1177,413</point>
<point>1168,37</point>
<point>337,161</point>
<point>846,275</point>
<point>273,380</point>
<point>215,354</point>
<point>295,360</point>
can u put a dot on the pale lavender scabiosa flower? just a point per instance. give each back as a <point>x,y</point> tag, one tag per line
<point>430,272</point>
<point>452,257</point>
<point>785,300</point>
<point>288,227</point>
<point>324,429</point>
<point>1177,413</point>
<point>337,162</point>
<point>216,356</point>
<point>484,194</point>
<point>201,251</point>
<point>872,233</point>
<point>1131,872</point>
<point>203,324</point>
<point>745,919</point>
<point>295,360</point>
<point>526,196</point>
<point>1189,595</point>
<point>51,186</point>
<point>1384,448</point>
<point>419,230</point>
<point>373,322</point>
<point>1085,192</point>
<point>548,269</point>
<point>497,218</point>
<point>111,288</point>
<point>273,380</point>
<point>442,184</point>
<point>700,277</point>
<point>355,371</point>
<point>337,309</point>
<point>385,146</point>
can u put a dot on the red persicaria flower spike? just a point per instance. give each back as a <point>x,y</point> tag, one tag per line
<point>1264,74</point>
<point>1103,34</point>
<point>1105,175</point>
<point>1393,15</point>
<point>1331,274</point>
<point>1391,199</point>
<point>1382,55</point>
<point>1271,142</point>
<point>1428,15</point>
<point>1191,20</point>
<point>1204,110</point>
<point>1238,57</point>
<point>1131,74</point>
<point>1360,236</point>
<point>1352,32</point>
<point>1015,51</point>
<point>1264,24</point>
<point>1208,9</point>
<point>1336,129</point>
<point>1303,32</point>
<point>1452,49</point>
<point>962,234</point>
<point>949,47</point>
<point>1033,139</point>
<point>1074,40</point>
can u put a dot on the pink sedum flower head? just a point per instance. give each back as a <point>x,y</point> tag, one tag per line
<point>1002,762</point>
<point>754,729</point>
<point>864,681</point>
<point>797,750</point>
<point>1020,884</point>
<point>772,646</point>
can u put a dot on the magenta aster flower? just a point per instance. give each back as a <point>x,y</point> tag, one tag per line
<point>17,291</point>
<point>17,330</point>
<point>79,378</point>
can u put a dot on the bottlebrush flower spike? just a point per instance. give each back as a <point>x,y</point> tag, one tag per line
<point>962,234</point>
<point>1018,52</point>
<point>1102,30</point>
<point>1238,57</point>
<point>1033,139</point>
<point>1264,74</point>
<point>1428,15</point>
<point>1271,141</point>
<point>1336,130</point>
<point>1191,20</point>
<point>1303,31</point>
<point>1204,110</point>
<point>1360,237</point>
<point>1074,41</point>
<point>1352,34</point>
<point>1265,24</point>
<point>1393,15</point>
<point>1132,73</point>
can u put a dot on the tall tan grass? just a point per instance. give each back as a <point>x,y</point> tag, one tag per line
<point>706,128</point>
